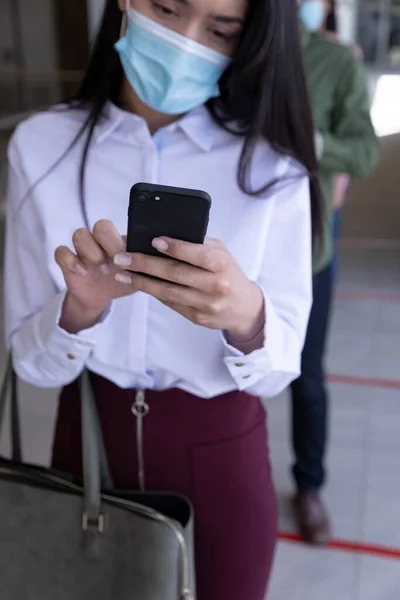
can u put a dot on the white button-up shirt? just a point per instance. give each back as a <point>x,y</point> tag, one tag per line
<point>140,342</point>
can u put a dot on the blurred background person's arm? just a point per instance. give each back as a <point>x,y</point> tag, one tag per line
<point>351,145</point>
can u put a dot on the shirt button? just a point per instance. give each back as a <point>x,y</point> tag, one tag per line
<point>239,364</point>
<point>70,357</point>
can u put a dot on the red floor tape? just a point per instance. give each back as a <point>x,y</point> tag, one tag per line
<point>348,546</point>
<point>359,295</point>
<point>390,384</point>
<point>345,545</point>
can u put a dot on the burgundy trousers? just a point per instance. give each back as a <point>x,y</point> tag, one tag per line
<point>212,451</point>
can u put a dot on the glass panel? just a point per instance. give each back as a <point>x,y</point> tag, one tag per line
<point>368,19</point>
<point>394,33</point>
<point>379,31</point>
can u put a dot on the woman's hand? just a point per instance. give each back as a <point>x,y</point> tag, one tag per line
<point>203,283</point>
<point>340,189</point>
<point>89,274</point>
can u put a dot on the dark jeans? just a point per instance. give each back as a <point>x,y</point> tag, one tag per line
<point>309,395</point>
<point>336,234</point>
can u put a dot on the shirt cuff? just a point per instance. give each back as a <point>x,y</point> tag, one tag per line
<point>52,338</point>
<point>248,369</point>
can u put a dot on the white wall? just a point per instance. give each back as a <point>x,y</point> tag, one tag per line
<point>347,20</point>
<point>95,11</point>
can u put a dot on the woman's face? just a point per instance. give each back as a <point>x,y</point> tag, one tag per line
<point>217,24</point>
<point>326,5</point>
<point>314,13</point>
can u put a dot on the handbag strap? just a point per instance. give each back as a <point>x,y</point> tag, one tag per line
<point>10,383</point>
<point>96,473</point>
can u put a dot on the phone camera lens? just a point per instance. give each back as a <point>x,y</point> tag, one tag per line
<point>142,197</point>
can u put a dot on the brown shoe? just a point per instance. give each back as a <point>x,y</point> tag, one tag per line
<point>312,518</point>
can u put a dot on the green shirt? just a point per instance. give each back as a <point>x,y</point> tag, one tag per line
<point>340,103</point>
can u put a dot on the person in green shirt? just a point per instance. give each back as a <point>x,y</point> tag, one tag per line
<point>345,143</point>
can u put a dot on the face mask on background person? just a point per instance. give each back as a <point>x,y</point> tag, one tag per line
<point>312,14</point>
<point>169,72</point>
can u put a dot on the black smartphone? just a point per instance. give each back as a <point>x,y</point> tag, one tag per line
<point>160,210</point>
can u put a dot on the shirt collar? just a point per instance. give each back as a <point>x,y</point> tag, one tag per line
<point>197,125</point>
<point>111,119</point>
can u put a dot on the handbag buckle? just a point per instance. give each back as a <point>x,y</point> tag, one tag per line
<point>98,523</point>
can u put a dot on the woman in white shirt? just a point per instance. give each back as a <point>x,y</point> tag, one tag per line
<point>206,94</point>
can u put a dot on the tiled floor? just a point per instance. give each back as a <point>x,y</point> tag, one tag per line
<point>363,491</point>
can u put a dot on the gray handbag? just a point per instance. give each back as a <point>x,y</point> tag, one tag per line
<point>60,540</point>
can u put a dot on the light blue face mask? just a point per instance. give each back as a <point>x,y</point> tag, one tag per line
<point>312,14</point>
<point>169,72</point>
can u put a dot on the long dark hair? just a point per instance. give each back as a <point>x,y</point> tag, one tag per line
<point>263,90</point>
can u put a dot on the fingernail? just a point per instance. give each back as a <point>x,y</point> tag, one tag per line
<point>80,269</point>
<point>160,244</point>
<point>122,278</point>
<point>105,268</point>
<point>122,260</point>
